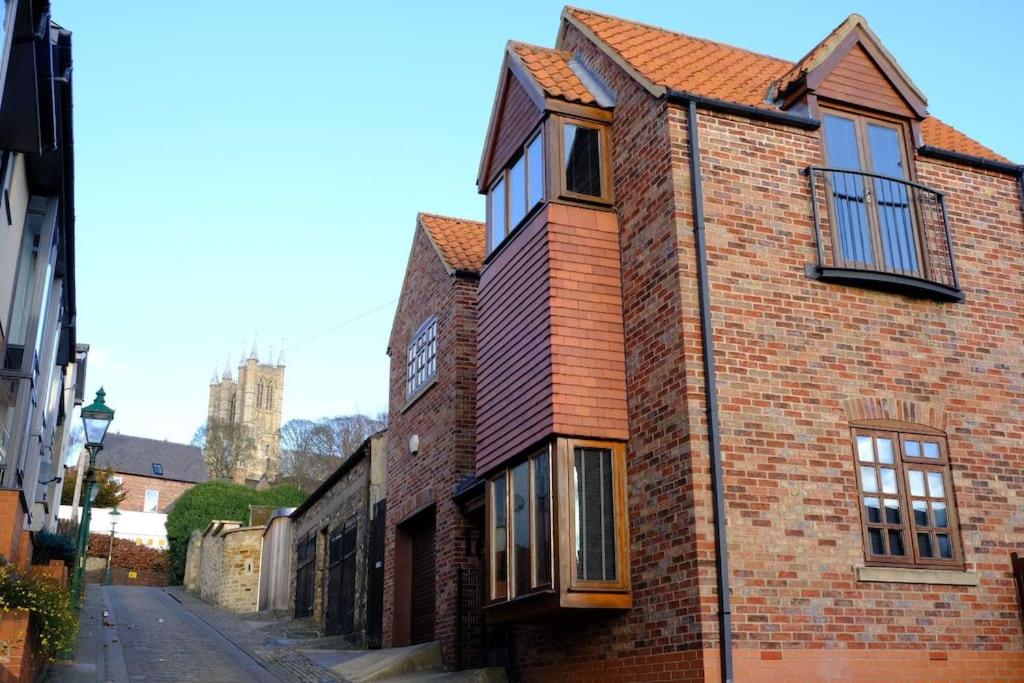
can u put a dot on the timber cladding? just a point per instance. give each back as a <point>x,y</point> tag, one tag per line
<point>550,342</point>
<point>518,117</point>
<point>442,416</point>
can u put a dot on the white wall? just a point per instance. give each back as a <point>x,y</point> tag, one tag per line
<point>145,528</point>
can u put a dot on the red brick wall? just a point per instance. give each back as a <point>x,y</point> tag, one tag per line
<point>443,417</point>
<point>794,358</point>
<point>15,545</point>
<point>22,661</point>
<point>135,486</point>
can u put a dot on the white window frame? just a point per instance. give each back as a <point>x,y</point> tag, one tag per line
<point>156,501</point>
<point>421,359</point>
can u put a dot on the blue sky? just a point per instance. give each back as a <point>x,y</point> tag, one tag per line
<point>256,167</point>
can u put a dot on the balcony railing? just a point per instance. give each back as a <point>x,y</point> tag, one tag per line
<point>882,232</point>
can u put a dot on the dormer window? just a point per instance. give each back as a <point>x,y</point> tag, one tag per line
<point>517,190</point>
<point>582,160</point>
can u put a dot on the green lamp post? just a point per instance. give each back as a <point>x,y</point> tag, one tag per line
<point>114,514</point>
<point>96,418</point>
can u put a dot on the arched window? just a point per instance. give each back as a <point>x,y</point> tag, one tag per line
<point>270,395</point>
<point>259,394</point>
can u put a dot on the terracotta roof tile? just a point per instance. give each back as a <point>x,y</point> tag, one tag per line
<point>461,243</point>
<point>710,69</point>
<point>551,70</point>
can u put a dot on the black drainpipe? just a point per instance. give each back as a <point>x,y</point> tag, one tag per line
<point>711,399</point>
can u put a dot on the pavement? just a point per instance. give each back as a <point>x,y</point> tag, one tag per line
<point>131,633</point>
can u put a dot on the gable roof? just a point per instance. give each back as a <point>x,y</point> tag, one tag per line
<point>552,71</point>
<point>663,60</point>
<point>136,455</point>
<point>461,243</point>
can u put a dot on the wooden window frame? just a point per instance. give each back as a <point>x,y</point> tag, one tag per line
<point>510,571</point>
<point>604,156</point>
<point>522,152</point>
<point>899,434</point>
<point>566,452</point>
<point>861,118</point>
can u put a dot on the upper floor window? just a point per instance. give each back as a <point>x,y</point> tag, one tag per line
<point>158,469</point>
<point>516,191</point>
<point>906,499</point>
<point>421,365</point>
<point>152,501</point>
<point>582,159</point>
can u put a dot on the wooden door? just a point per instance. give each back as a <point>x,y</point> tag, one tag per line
<point>423,587</point>
<point>341,580</point>
<point>375,578</point>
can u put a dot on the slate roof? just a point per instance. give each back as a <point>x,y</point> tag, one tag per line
<point>552,71</point>
<point>710,69</point>
<point>136,455</point>
<point>461,243</point>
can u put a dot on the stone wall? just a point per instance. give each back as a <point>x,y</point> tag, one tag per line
<point>192,560</point>
<point>240,569</point>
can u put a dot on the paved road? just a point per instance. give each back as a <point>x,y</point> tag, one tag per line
<point>163,641</point>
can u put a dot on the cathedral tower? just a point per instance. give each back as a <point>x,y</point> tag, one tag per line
<point>253,400</point>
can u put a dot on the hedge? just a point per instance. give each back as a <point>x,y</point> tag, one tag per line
<point>128,554</point>
<point>217,500</point>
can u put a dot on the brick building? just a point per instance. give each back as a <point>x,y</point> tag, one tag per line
<point>153,473</point>
<point>337,543</point>
<point>429,538</point>
<point>747,368</point>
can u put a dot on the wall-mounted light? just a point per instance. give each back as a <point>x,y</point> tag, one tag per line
<point>414,444</point>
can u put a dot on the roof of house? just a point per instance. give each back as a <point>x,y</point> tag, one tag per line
<point>553,72</point>
<point>137,455</point>
<point>669,60</point>
<point>462,244</point>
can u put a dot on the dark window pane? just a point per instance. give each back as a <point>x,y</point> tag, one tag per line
<point>517,192</point>
<point>497,208</point>
<point>920,513</point>
<point>521,527</point>
<point>940,515</point>
<point>892,511</point>
<point>542,517</point>
<point>896,542</point>
<point>876,542</point>
<point>945,546</point>
<point>535,171</point>
<point>892,200</point>
<point>499,547</point>
<point>849,199</point>
<point>595,515</point>
<point>924,545</point>
<point>872,510</point>
<point>582,160</point>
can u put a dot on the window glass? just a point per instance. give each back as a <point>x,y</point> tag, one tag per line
<point>542,518</point>
<point>499,549</point>
<point>595,515</point>
<point>535,171</point>
<point>895,226</point>
<point>421,363</point>
<point>582,160</point>
<point>497,211</point>
<point>521,528</point>
<point>152,501</point>
<point>848,190</point>
<point>517,192</point>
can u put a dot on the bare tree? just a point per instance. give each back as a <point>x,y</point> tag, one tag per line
<point>199,438</point>
<point>227,445</point>
<point>312,449</point>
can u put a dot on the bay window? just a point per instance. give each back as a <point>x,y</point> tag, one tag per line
<point>538,564</point>
<point>516,191</point>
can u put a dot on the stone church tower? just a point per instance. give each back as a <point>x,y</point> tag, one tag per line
<point>254,400</point>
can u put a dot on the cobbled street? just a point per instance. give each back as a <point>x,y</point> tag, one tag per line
<point>164,641</point>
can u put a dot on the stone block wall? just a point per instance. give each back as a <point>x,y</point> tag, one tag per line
<point>240,569</point>
<point>192,560</point>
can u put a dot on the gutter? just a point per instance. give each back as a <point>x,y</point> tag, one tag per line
<point>711,401</point>
<point>767,115</point>
<point>970,160</point>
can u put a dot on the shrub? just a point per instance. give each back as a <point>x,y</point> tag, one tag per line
<point>53,547</point>
<point>128,554</point>
<point>48,601</point>
<point>212,500</point>
<point>111,493</point>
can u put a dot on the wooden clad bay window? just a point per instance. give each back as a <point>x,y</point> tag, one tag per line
<point>557,530</point>
<point>421,363</point>
<point>584,153</point>
<point>516,191</point>
<point>907,507</point>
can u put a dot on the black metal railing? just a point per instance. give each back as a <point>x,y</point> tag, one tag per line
<point>883,230</point>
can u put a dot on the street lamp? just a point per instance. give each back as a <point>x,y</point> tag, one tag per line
<point>114,514</point>
<point>96,418</point>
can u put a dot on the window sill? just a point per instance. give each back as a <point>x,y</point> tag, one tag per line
<point>938,577</point>
<point>419,393</point>
<point>887,282</point>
